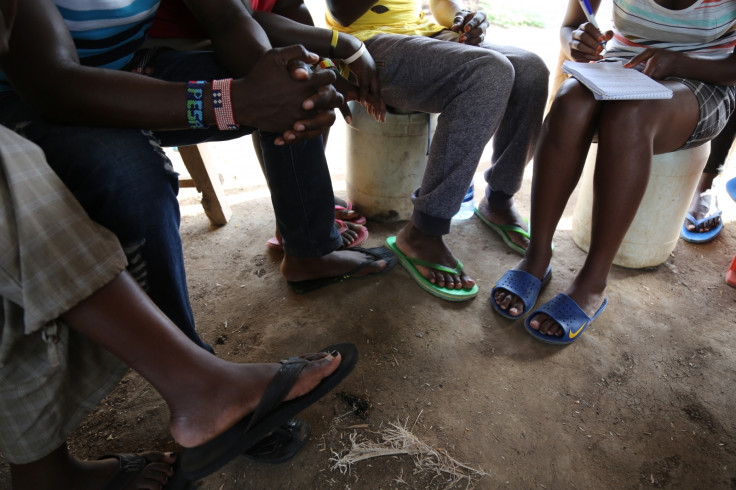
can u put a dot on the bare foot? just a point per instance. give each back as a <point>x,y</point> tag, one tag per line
<point>510,216</point>
<point>330,265</point>
<point>345,214</point>
<point>417,244</point>
<point>234,390</point>
<point>350,234</point>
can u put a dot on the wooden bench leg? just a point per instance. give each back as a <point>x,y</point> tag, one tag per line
<point>202,170</point>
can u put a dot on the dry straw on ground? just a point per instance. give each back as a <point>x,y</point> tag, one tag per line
<point>396,439</point>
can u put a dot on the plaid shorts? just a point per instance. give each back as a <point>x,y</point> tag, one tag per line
<point>717,103</point>
<point>52,256</point>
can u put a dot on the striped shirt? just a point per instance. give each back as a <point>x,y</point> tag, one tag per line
<point>706,29</point>
<point>107,33</point>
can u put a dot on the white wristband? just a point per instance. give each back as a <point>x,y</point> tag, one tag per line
<point>355,55</point>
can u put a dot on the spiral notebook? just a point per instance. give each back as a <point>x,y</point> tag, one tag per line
<point>609,80</point>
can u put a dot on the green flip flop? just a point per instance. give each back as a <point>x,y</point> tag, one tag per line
<point>410,263</point>
<point>504,230</point>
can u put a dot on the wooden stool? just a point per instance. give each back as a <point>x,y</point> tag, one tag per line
<point>205,179</point>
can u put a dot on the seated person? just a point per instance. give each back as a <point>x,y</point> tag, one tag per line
<point>176,26</point>
<point>71,314</point>
<point>671,43</point>
<point>85,105</point>
<point>481,90</point>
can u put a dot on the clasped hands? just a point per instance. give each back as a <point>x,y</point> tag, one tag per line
<point>283,95</point>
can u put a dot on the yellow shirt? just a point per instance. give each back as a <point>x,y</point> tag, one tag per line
<point>398,17</point>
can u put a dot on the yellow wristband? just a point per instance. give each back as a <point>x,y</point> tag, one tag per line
<point>333,43</point>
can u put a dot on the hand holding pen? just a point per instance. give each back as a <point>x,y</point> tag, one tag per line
<point>588,42</point>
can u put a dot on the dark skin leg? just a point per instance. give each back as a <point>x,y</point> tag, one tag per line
<point>205,394</point>
<point>413,242</point>
<point>629,133</point>
<point>698,208</point>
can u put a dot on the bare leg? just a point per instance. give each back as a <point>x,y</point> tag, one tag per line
<point>206,395</point>
<point>629,133</point>
<point>558,164</point>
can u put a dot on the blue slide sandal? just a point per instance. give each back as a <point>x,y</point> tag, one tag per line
<point>523,285</point>
<point>566,312</point>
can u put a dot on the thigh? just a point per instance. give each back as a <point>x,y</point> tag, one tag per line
<point>661,125</point>
<point>418,73</point>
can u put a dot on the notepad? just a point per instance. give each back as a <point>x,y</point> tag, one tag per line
<point>609,80</point>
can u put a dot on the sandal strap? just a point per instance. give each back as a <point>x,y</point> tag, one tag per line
<point>278,388</point>
<point>426,263</point>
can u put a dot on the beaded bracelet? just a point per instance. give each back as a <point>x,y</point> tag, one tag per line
<point>333,43</point>
<point>195,116</point>
<point>328,65</point>
<point>223,104</point>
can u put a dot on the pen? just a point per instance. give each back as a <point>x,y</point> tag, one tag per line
<point>588,11</point>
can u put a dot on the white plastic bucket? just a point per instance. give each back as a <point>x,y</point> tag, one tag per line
<point>386,161</point>
<point>656,227</point>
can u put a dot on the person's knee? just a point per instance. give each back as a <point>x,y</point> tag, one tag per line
<point>491,76</point>
<point>572,101</point>
<point>532,74</point>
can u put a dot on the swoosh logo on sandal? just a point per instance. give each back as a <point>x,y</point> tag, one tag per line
<point>576,332</point>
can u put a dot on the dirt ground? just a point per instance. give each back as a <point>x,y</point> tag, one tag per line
<point>643,399</point>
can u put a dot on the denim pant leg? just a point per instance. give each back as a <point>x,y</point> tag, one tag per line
<point>302,196</point>
<point>297,175</point>
<point>126,183</point>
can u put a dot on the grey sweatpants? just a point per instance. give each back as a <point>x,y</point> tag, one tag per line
<point>480,92</point>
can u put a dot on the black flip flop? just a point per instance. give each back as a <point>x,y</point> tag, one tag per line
<point>282,444</point>
<point>272,412</point>
<point>377,253</point>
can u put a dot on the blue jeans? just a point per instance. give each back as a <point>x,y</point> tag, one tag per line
<point>125,182</point>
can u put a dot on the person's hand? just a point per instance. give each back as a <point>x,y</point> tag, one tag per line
<point>373,103</point>
<point>586,43</point>
<point>471,25</point>
<point>364,69</point>
<point>281,94</point>
<point>658,63</point>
